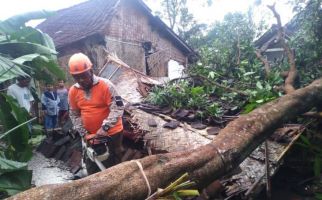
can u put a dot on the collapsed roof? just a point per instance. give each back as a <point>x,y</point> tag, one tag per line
<point>247,180</point>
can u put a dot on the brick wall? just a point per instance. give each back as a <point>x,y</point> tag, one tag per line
<point>130,27</point>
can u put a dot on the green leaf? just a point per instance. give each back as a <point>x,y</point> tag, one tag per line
<point>11,166</point>
<point>305,140</point>
<point>32,35</point>
<point>302,145</point>
<point>17,49</point>
<point>28,58</point>
<point>15,182</point>
<point>14,23</point>
<point>211,74</point>
<point>53,68</point>
<point>318,196</point>
<point>48,41</point>
<point>12,115</point>
<point>196,91</point>
<point>176,196</point>
<point>244,62</point>
<point>259,85</point>
<point>35,141</point>
<point>43,67</point>
<point>9,70</point>
<point>188,193</point>
<point>234,108</point>
<point>249,107</point>
<point>249,73</point>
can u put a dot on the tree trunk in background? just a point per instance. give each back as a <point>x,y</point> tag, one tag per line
<point>205,164</point>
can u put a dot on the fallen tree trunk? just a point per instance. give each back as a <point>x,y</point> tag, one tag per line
<point>205,164</point>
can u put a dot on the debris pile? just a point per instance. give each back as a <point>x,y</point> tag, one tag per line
<point>65,145</point>
<point>166,130</point>
<point>152,130</point>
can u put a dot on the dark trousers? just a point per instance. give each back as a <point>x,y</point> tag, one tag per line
<point>50,121</point>
<point>62,117</point>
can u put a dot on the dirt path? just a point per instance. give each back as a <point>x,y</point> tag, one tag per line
<point>48,171</point>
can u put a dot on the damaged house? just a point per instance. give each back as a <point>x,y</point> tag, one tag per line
<point>145,46</point>
<point>275,52</point>
<point>126,28</point>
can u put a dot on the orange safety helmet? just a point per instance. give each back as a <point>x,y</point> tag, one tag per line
<point>79,63</point>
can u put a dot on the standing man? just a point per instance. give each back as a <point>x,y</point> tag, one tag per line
<point>62,93</point>
<point>95,108</point>
<point>21,92</point>
<point>50,101</point>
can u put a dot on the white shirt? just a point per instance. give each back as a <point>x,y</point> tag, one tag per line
<point>22,95</point>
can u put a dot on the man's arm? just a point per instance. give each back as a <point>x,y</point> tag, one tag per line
<point>77,122</point>
<point>75,115</point>
<point>116,108</point>
<point>58,101</point>
<point>43,102</point>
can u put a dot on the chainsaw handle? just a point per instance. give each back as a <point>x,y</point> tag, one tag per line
<point>100,139</point>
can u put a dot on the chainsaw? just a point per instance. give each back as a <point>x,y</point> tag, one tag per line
<point>95,156</point>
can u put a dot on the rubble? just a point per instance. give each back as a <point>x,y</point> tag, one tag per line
<point>63,145</point>
<point>171,124</point>
<point>152,123</point>
<point>161,132</point>
<point>198,125</point>
<point>171,135</point>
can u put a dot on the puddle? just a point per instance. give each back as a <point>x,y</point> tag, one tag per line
<point>48,171</point>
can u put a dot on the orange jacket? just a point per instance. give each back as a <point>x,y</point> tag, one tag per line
<point>95,106</point>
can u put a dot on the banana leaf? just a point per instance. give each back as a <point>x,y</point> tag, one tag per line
<point>14,23</point>
<point>42,67</point>
<point>14,176</point>
<point>9,70</point>
<point>11,166</point>
<point>32,35</point>
<point>15,182</point>
<point>11,115</point>
<point>18,49</point>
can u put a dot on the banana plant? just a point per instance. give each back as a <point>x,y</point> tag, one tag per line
<point>27,49</point>
<point>29,52</point>
<point>9,69</point>
<point>14,149</point>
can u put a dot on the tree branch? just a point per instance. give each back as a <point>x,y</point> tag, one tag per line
<point>292,73</point>
<point>267,66</point>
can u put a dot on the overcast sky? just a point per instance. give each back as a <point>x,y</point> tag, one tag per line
<point>201,12</point>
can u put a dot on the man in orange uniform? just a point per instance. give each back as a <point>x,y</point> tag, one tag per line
<point>95,108</point>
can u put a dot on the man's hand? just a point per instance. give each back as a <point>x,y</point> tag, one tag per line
<point>101,132</point>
